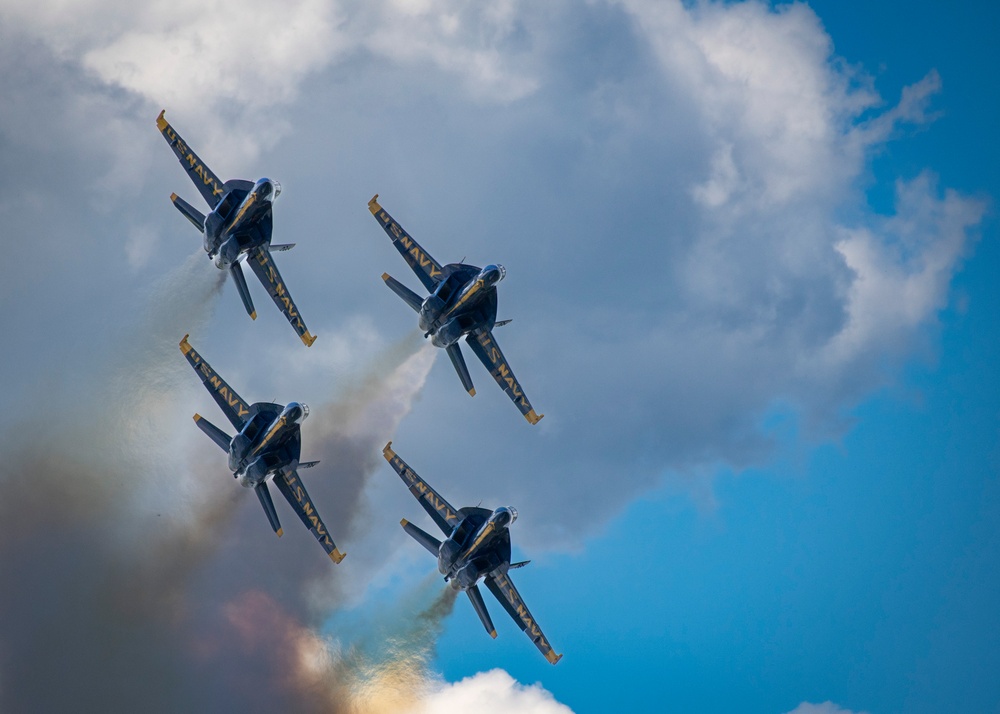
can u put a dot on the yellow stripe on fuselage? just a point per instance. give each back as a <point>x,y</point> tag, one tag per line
<point>274,429</point>
<point>488,530</point>
<point>476,286</point>
<point>243,209</point>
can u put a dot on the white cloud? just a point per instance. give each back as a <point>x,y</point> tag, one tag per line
<point>189,54</point>
<point>677,190</point>
<point>202,58</point>
<point>824,708</point>
<point>493,692</point>
<point>461,37</point>
<point>902,272</point>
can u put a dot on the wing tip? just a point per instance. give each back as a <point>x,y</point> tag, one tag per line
<point>373,205</point>
<point>185,345</point>
<point>280,532</point>
<point>161,123</point>
<point>173,197</point>
<point>196,417</point>
<point>532,417</point>
<point>388,453</point>
<point>253,315</point>
<point>472,391</point>
<point>403,522</point>
<point>386,277</point>
<point>336,556</point>
<point>493,634</point>
<point>552,657</point>
<point>307,339</point>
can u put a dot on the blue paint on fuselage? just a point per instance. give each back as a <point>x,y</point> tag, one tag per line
<point>458,306</point>
<point>268,442</point>
<point>241,221</point>
<point>462,560</point>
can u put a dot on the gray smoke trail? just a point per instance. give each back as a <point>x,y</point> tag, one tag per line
<point>394,674</point>
<point>120,594</point>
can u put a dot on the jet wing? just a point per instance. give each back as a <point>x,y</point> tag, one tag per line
<point>287,481</point>
<point>423,265</point>
<point>263,266</point>
<point>207,183</point>
<point>231,403</point>
<point>504,591</point>
<point>443,513</point>
<point>488,351</point>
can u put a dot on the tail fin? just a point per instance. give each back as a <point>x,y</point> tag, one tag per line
<point>409,297</point>
<point>265,500</point>
<point>236,270</point>
<point>477,602</point>
<point>428,541</point>
<point>455,352</point>
<point>196,217</point>
<point>213,432</point>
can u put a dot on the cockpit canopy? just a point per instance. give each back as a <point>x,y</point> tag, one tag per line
<point>267,189</point>
<point>493,274</point>
<point>505,515</point>
<point>297,412</point>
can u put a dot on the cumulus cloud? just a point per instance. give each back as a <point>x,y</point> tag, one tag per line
<point>824,708</point>
<point>681,209</point>
<point>493,692</point>
<point>677,190</point>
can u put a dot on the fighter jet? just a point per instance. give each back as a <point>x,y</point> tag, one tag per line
<point>238,227</point>
<point>463,302</point>
<point>476,546</point>
<point>266,446</point>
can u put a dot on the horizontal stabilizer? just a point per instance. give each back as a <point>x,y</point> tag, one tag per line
<point>518,565</point>
<point>283,246</point>
<point>409,297</point>
<point>265,500</point>
<point>477,602</point>
<point>196,217</point>
<point>307,464</point>
<point>214,433</point>
<point>425,539</point>
<point>455,353</point>
<point>501,323</point>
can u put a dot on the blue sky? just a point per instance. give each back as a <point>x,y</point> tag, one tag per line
<point>751,254</point>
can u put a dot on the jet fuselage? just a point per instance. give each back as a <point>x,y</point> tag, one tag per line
<point>241,221</point>
<point>476,547</point>
<point>268,442</point>
<point>463,302</point>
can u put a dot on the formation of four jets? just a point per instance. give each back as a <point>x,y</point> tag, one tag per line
<point>462,303</point>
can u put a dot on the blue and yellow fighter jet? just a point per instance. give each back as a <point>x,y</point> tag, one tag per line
<point>476,545</point>
<point>463,302</point>
<point>237,227</point>
<point>267,445</point>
